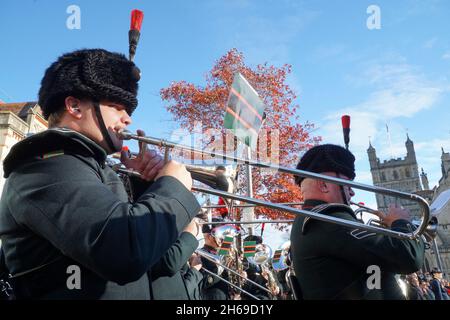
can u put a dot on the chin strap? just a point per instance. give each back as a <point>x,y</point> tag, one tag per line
<point>103,129</point>
<point>343,194</point>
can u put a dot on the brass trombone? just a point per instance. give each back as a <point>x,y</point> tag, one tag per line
<point>126,135</point>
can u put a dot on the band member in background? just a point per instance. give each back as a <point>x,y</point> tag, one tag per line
<point>64,213</point>
<point>331,261</point>
<point>212,287</point>
<point>254,273</point>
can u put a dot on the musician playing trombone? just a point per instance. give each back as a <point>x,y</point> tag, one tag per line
<point>67,228</point>
<point>336,262</point>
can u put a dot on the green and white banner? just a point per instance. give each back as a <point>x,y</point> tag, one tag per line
<point>245,111</point>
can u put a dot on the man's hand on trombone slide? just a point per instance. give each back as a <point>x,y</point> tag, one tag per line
<point>150,164</point>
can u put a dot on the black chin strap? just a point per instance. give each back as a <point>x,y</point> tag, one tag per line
<point>103,129</point>
<point>344,196</point>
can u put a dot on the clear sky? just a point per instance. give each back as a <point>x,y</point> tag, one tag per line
<point>397,75</point>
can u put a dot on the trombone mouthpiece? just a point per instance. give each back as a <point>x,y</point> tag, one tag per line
<point>124,134</point>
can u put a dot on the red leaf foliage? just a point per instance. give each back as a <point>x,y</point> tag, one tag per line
<point>190,103</point>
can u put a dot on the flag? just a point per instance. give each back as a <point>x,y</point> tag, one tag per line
<point>249,249</point>
<point>226,246</point>
<point>245,111</point>
<point>276,256</point>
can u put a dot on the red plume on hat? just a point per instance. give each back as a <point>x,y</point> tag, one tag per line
<point>346,129</point>
<point>136,20</point>
<point>135,31</point>
<point>345,122</point>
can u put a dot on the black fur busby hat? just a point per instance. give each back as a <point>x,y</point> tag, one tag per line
<point>94,74</point>
<point>435,270</point>
<point>327,157</point>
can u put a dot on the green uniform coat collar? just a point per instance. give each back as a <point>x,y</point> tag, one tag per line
<point>51,140</point>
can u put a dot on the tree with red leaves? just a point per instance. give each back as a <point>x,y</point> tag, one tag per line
<point>191,104</point>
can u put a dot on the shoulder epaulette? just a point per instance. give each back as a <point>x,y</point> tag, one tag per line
<point>53,154</point>
<point>327,208</point>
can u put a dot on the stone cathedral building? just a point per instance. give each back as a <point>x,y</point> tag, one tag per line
<point>403,174</point>
<point>398,174</point>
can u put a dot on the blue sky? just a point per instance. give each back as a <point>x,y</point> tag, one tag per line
<point>397,75</point>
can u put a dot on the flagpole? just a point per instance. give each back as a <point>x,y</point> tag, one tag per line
<point>250,180</point>
<point>248,172</point>
<point>245,116</point>
<point>389,140</point>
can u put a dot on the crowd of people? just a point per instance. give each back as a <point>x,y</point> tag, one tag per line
<point>70,230</point>
<point>427,286</point>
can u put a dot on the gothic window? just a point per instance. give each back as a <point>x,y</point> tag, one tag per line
<point>395,175</point>
<point>407,173</point>
<point>383,177</point>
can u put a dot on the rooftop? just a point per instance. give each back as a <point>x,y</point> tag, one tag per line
<point>19,108</point>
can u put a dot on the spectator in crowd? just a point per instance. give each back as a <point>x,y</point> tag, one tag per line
<point>436,285</point>
<point>427,292</point>
<point>446,285</point>
<point>414,292</point>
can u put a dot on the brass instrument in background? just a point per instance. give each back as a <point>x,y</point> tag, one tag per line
<point>263,253</point>
<point>283,264</point>
<point>272,283</point>
<point>262,257</point>
<point>233,259</point>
